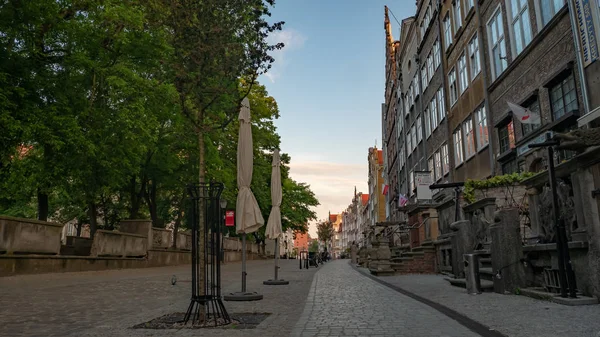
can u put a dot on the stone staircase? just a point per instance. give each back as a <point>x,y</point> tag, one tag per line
<point>486,274</point>
<point>419,260</point>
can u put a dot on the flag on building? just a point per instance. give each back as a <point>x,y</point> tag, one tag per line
<point>524,115</point>
<point>402,200</point>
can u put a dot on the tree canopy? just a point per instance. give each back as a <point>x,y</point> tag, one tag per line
<point>325,231</point>
<point>109,108</point>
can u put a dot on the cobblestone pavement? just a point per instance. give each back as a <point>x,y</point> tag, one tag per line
<point>109,303</point>
<point>512,315</point>
<point>342,302</point>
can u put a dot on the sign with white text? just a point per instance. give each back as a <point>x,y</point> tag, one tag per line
<point>229,218</point>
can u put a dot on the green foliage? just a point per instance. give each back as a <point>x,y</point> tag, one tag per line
<point>325,231</point>
<point>103,104</point>
<point>497,181</point>
<point>314,246</point>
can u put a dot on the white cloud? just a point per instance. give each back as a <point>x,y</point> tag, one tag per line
<point>332,183</point>
<point>293,40</point>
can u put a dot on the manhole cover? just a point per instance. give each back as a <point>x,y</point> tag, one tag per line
<point>175,321</point>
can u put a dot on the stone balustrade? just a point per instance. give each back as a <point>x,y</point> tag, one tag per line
<point>119,244</point>
<point>25,236</point>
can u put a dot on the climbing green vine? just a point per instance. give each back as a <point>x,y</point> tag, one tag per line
<point>498,181</point>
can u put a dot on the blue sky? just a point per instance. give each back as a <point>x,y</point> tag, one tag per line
<point>329,84</point>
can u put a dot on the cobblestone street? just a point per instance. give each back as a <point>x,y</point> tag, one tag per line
<point>342,302</point>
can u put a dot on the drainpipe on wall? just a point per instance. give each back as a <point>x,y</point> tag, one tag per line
<point>486,84</point>
<point>577,42</point>
<point>423,159</point>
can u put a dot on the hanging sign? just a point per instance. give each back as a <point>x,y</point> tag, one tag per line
<point>585,27</point>
<point>229,218</point>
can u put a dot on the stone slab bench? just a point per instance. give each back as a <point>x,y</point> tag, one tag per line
<point>26,236</point>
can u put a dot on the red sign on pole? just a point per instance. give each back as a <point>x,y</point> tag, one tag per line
<point>229,218</point>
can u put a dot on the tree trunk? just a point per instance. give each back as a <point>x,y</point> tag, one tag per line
<point>42,205</point>
<point>150,196</point>
<point>178,222</point>
<point>79,224</point>
<point>92,214</point>
<point>201,237</point>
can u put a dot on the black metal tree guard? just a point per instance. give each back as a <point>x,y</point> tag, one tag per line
<point>206,305</point>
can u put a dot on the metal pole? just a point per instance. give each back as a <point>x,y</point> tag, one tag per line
<point>559,242</point>
<point>244,263</point>
<point>276,258</point>
<point>457,204</point>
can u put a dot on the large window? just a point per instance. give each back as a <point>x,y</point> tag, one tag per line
<point>431,168</point>
<point>453,86</point>
<point>510,167</point>
<point>469,138</point>
<point>549,8</point>
<point>458,150</point>
<point>520,25</point>
<point>563,97</point>
<point>437,159</point>
<point>413,136</point>
<point>506,137</point>
<point>497,44</point>
<point>424,77</point>
<point>427,113</point>
<point>441,103</point>
<point>401,157</point>
<point>481,128</point>
<point>457,15</point>
<point>411,183</point>
<point>447,31</point>
<point>434,115</point>
<point>445,159</point>
<point>408,143</point>
<point>474,56</point>
<point>419,129</point>
<point>463,76</point>
<point>468,5</point>
<point>534,107</point>
<point>429,67</point>
<point>437,58</point>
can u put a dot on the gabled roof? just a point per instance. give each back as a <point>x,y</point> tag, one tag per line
<point>333,217</point>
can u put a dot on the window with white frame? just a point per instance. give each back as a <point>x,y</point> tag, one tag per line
<point>445,159</point>
<point>411,183</point>
<point>497,44</point>
<point>447,31</point>
<point>463,75</point>
<point>406,104</point>
<point>549,8</point>
<point>422,27</point>
<point>434,114</point>
<point>481,128</point>
<point>474,56</point>
<point>458,150</point>
<point>441,103</point>
<point>419,129</point>
<point>453,86</point>
<point>413,136</point>
<point>520,24</point>
<point>468,5</point>
<point>429,67</point>
<point>408,143</point>
<point>457,15</point>
<point>424,76</point>
<point>469,138</point>
<point>416,85</point>
<point>437,162</point>
<point>427,113</point>
<point>431,168</point>
<point>401,157</point>
<point>437,58</point>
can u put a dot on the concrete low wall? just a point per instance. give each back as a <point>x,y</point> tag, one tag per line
<point>161,238</point>
<point>184,241</point>
<point>24,236</point>
<point>115,243</point>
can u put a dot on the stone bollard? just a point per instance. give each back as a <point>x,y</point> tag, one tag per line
<point>507,252</point>
<point>462,243</point>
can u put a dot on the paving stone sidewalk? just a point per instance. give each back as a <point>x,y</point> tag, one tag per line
<point>512,315</point>
<point>342,302</point>
<point>109,303</point>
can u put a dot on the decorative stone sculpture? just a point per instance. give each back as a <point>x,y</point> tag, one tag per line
<point>380,264</point>
<point>579,139</point>
<point>353,251</point>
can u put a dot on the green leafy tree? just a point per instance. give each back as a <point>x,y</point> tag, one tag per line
<point>314,246</point>
<point>325,231</point>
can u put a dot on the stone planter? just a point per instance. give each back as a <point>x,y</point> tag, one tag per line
<point>25,236</point>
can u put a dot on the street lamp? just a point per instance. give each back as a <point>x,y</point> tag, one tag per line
<point>223,203</point>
